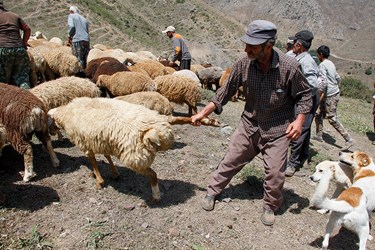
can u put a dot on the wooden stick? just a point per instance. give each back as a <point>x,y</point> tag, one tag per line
<point>180,120</point>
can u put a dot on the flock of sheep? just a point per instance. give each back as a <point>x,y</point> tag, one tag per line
<point>122,107</point>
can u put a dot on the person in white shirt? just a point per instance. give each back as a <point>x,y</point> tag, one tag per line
<point>78,35</point>
<point>328,85</point>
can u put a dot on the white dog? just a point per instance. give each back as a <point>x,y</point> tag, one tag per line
<point>352,207</point>
<point>342,174</point>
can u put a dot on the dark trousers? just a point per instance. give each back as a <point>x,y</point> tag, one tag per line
<point>15,67</point>
<point>185,64</point>
<point>81,50</point>
<point>299,149</point>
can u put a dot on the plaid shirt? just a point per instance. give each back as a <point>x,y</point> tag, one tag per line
<point>272,98</point>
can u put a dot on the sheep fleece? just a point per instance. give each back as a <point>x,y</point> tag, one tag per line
<point>130,132</point>
<point>125,83</point>
<point>22,113</point>
<point>179,89</point>
<point>151,100</point>
<point>61,91</point>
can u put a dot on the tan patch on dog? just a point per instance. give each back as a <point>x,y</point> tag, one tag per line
<point>362,159</point>
<point>363,173</point>
<point>351,195</point>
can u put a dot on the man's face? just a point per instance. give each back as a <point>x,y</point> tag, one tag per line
<point>255,52</point>
<point>297,48</point>
<point>320,57</point>
<point>169,34</point>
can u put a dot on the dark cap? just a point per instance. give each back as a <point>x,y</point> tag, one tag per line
<point>304,35</point>
<point>258,32</point>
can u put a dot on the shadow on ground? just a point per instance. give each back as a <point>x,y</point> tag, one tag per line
<point>344,240</point>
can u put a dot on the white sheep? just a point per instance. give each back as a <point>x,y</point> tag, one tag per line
<point>179,89</point>
<point>22,115</point>
<point>210,76</point>
<point>146,55</point>
<point>62,62</point>
<point>61,91</point>
<point>57,40</point>
<point>151,100</point>
<point>41,65</point>
<point>111,127</point>
<point>190,74</point>
<point>118,54</point>
<point>125,83</point>
<point>101,47</point>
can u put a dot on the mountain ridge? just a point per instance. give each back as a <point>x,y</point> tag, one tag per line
<point>212,27</point>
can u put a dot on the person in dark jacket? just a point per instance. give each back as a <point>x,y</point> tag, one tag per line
<point>181,51</point>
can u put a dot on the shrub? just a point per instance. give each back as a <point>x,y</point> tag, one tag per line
<point>368,71</point>
<point>279,45</point>
<point>354,88</point>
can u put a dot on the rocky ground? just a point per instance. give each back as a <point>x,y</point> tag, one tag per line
<point>62,209</point>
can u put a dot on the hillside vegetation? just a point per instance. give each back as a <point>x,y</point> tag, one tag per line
<point>213,27</point>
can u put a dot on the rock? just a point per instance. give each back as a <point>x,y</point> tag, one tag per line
<point>173,232</point>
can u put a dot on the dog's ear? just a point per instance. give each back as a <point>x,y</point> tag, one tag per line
<point>364,159</point>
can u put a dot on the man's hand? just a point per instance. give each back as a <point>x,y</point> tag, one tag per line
<point>294,129</point>
<point>69,41</point>
<point>206,111</point>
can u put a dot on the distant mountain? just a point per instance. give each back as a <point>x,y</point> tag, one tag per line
<point>213,27</point>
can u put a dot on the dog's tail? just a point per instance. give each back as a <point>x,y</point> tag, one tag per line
<point>320,200</point>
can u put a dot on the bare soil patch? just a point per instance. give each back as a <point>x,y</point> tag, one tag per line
<point>61,208</point>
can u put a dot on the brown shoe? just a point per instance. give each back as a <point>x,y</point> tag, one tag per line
<point>208,202</point>
<point>268,217</point>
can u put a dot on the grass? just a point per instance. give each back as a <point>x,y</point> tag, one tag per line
<point>96,236</point>
<point>356,115</point>
<point>251,170</point>
<point>34,241</point>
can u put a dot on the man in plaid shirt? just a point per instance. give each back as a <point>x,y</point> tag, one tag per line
<point>273,86</point>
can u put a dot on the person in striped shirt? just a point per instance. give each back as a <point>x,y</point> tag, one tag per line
<point>274,89</point>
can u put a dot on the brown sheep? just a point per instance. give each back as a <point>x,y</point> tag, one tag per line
<point>179,89</point>
<point>223,79</point>
<point>153,68</point>
<point>104,66</point>
<point>23,115</point>
<point>125,83</point>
